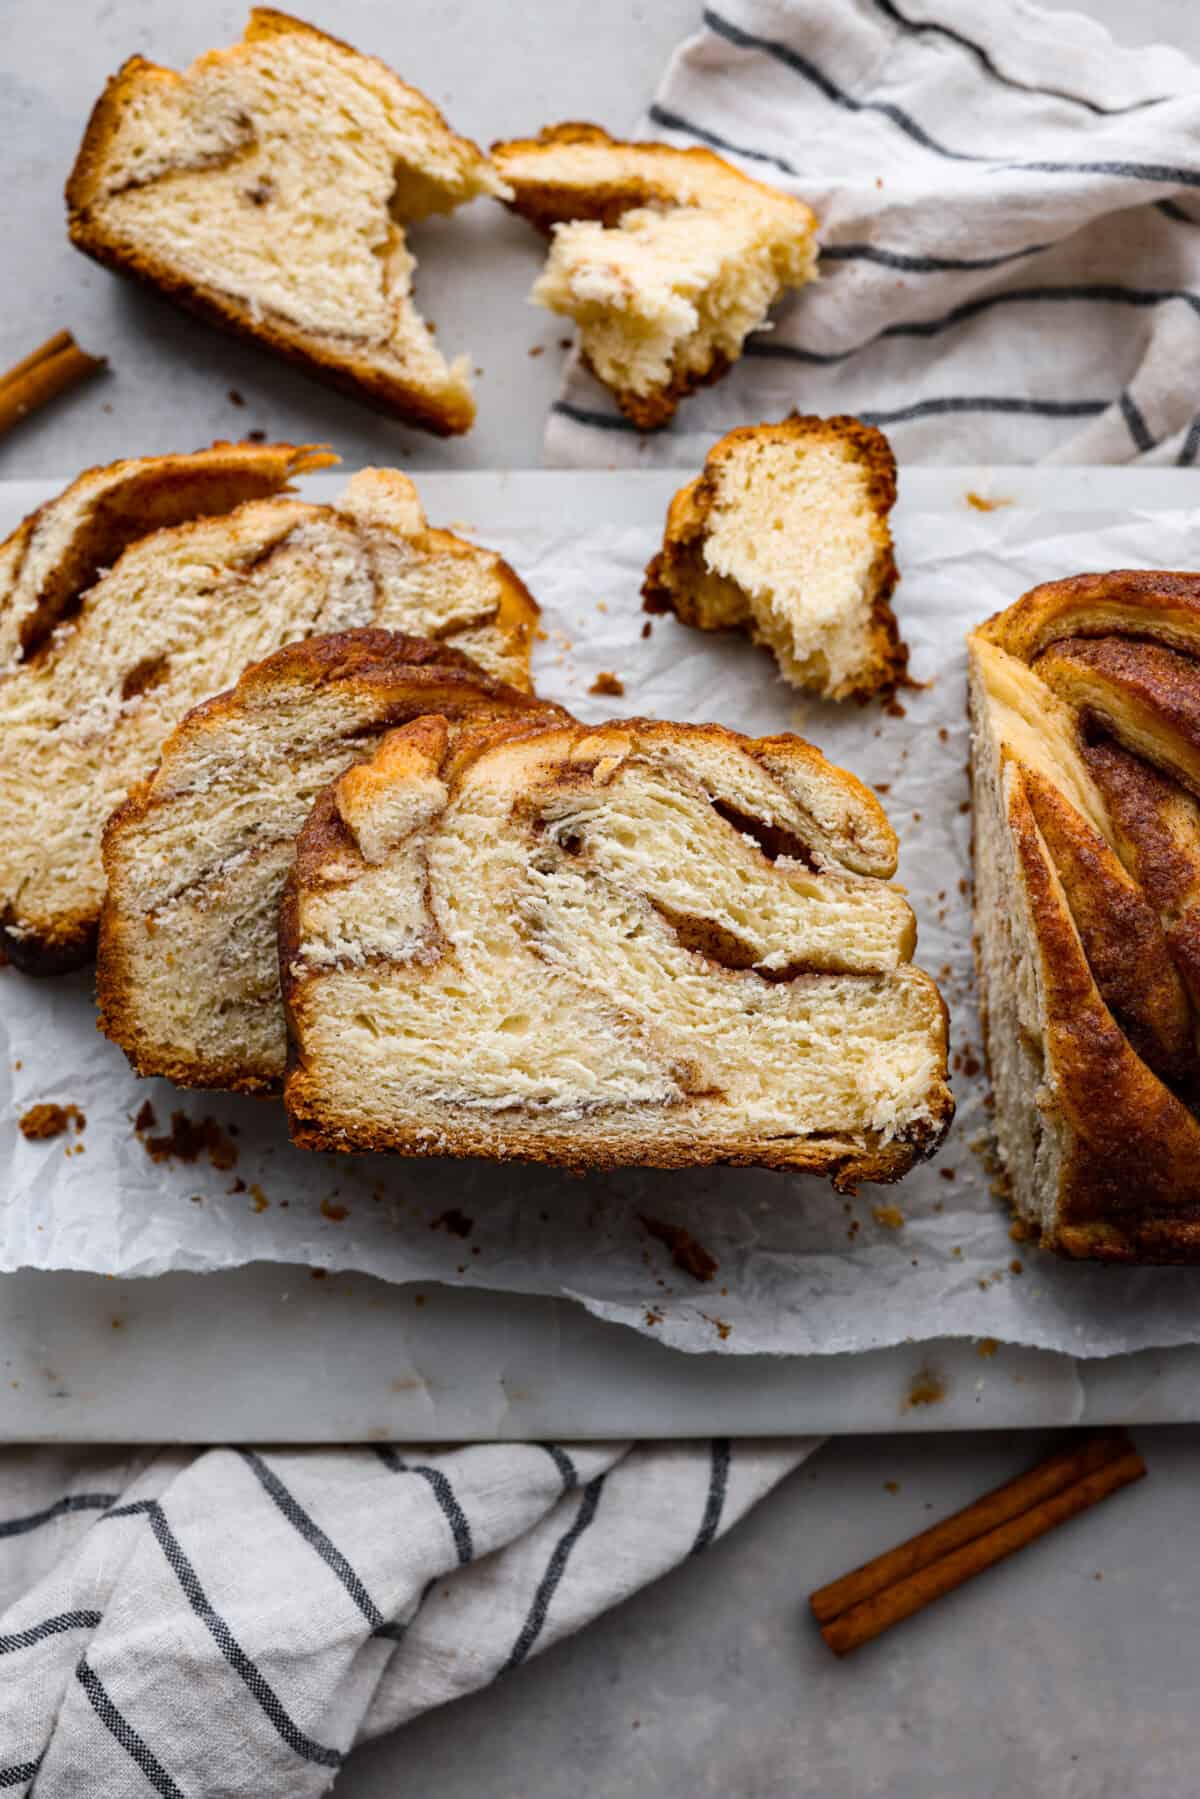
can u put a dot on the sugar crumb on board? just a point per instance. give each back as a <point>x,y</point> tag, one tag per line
<point>47,1119</point>
<point>688,1256</point>
<point>925,1388</point>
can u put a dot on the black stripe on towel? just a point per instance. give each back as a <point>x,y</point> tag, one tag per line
<point>1138,429</point>
<point>923,265</point>
<point>673,121</point>
<point>916,26</point>
<point>19,1774</point>
<point>443,1492</point>
<point>714,1505</point>
<point>454,1515</point>
<point>125,1734</point>
<point>49,1627</point>
<point>1191,444</point>
<point>535,1621</point>
<point>312,1533</point>
<point>255,1681</point>
<point>1051,409</point>
<point>568,1473</point>
<point>606,421</point>
<point>783,53</point>
<point>74,1502</point>
<point>1171,210</point>
<point>1093,293</point>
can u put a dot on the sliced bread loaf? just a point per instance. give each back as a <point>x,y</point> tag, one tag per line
<point>268,188</point>
<point>1085,766</point>
<point>188,966</point>
<point>176,619</point>
<point>644,943</point>
<point>666,259</point>
<point>785,535</point>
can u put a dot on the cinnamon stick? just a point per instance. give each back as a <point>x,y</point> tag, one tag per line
<point>868,1601</point>
<point>54,366</point>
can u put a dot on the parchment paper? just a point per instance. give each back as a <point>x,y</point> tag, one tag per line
<point>800,1269</point>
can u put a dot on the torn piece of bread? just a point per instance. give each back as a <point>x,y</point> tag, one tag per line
<point>785,534</point>
<point>268,188</point>
<point>176,619</point>
<point>666,259</point>
<point>644,943</point>
<point>1085,761</point>
<point>188,965</point>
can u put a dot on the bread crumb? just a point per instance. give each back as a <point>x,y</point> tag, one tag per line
<point>607,683</point>
<point>318,1274</point>
<point>49,1120</point>
<point>984,503</point>
<point>925,1388</point>
<point>187,1139</point>
<point>257,436</point>
<point>454,1221</point>
<point>688,1256</point>
<point>986,1347</point>
<point>891,1217</point>
<point>258,1199</point>
<point>653,1317</point>
<point>1016,1266</point>
<point>537,349</point>
<point>891,1486</point>
<point>235,398</point>
<point>647,629</point>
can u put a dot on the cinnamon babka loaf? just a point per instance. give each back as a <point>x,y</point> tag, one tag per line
<point>666,259</point>
<point>644,943</point>
<point>268,188</point>
<point>1085,704</point>
<point>785,534</point>
<point>112,657</point>
<point>188,964</point>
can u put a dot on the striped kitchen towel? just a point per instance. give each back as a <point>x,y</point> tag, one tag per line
<point>231,1622</point>
<point>1010,221</point>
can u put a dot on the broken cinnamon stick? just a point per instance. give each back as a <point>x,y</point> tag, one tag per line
<point>54,366</point>
<point>863,1604</point>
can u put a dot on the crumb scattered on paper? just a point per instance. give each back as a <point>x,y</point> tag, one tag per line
<point>607,683</point>
<point>979,502</point>
<point>336,1214</point>
<point>50,1120</point>
<point>688,1256</point>
<point>187,1140</point>
<point>890,1217</point>
<point>986,1347</point>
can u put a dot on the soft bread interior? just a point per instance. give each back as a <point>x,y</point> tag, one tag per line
<point>580,955</point>
<point>786,535</point>
<point>666,259</point>
<point>280,174</point>
<point>196,861</point>
<point>178,618</point>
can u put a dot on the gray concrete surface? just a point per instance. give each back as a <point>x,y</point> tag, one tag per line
<point>1039,1679</point>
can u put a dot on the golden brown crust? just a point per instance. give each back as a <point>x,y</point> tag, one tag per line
<point>545,202</point>
<point>326,840</point>
<point>128,499</point>
<point>1114,918</point>
<point>673,575</point>
<point>1146,695</point>
<point>1134,1147</point>
<point>341,367</point>
<point>405,677</point>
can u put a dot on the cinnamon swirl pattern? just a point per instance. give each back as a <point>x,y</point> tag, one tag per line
<point>1085,703</point>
